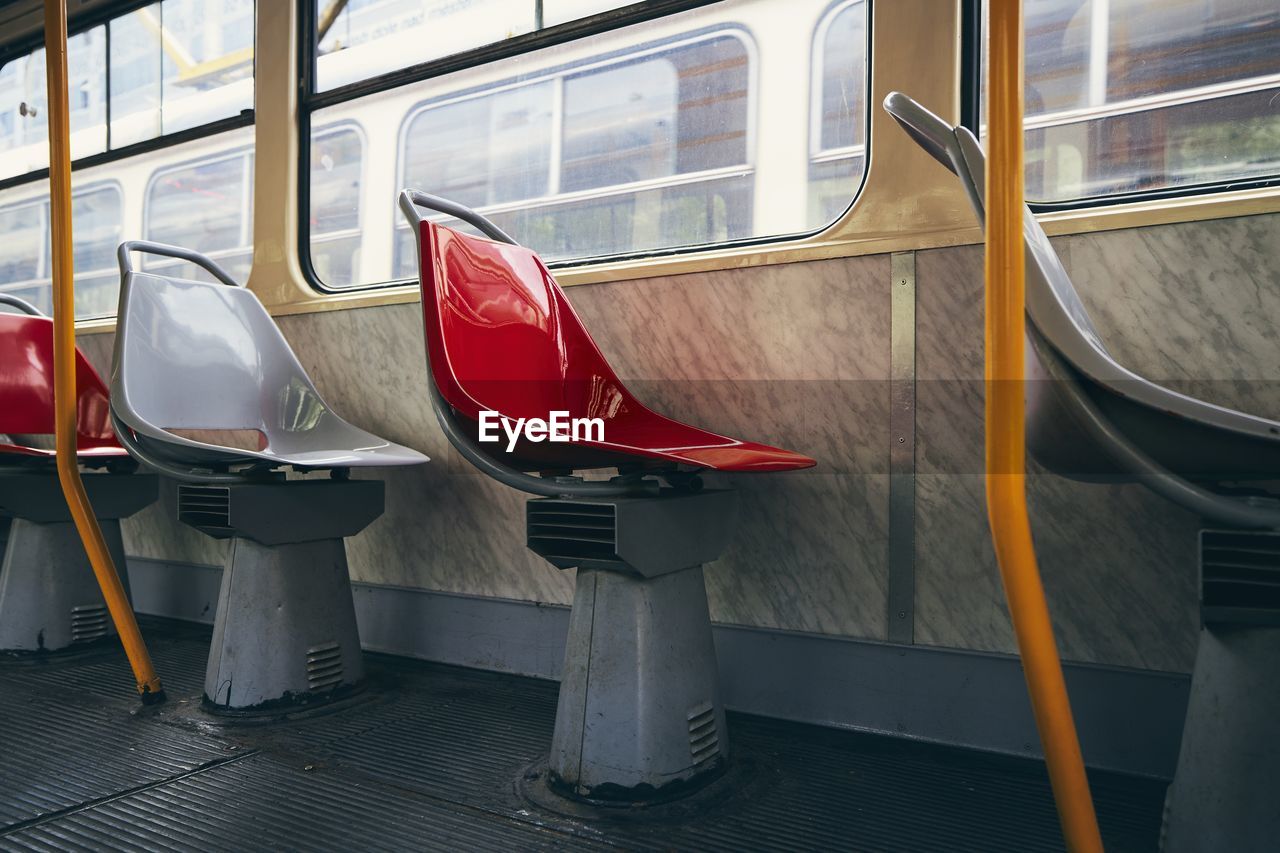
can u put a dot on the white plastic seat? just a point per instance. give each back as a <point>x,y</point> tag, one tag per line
<point>206,356</point>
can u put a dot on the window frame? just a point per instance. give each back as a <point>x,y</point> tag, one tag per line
<point>309,102</point>
<point>84,23</point>
<point>971,77</point>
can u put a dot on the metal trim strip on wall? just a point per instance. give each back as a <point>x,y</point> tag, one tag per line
<point>902,448</point>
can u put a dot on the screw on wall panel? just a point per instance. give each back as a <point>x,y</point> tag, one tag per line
<point>902,614</point>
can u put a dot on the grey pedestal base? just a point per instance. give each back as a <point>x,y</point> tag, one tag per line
<point>49,598</point>
<point>285,631</point>
<point>639,706</point>
<point>1223,797</point>
<point>639,716</point>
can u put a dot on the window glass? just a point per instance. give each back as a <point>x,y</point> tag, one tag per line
<point>488,149</point>
<point>838,117</point>
<point>617,124</point>
<point>1129,96</point>
<point>336,164</point>
<point>204,206</point>
<point>359,39</point>
<point>620,125</point>
<point>25,262</point>
<point>166,67</point>
<point>639,139</point>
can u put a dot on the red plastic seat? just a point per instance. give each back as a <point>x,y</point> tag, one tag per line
<point>26,393</point>
<point>502,336</point>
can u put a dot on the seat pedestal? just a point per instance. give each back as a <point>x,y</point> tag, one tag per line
<point>1223,796</point>
<point>49,597</point>
<point>285,631</point>
<point>639,715</point>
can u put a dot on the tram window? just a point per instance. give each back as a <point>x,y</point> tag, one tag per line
<point>336,164</point>
<point>205,205</point>
<point>1131,97</point>
<point>634,136</point>
<point>171,66</point>
<point>640,139</point>
<point>838,133</point>
<point>25,263</point>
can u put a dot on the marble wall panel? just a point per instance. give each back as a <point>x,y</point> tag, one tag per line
<point>1190,305</point>
<point>792,355</point>
<point>797,355</point>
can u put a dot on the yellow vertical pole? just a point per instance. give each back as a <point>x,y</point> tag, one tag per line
<point>1006,438</point>
<point>64,356</point>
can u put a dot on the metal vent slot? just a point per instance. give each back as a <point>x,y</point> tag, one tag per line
<point>205,506</point>
<point>1240,577</point>
<point>324,666</point>
<point>88,622</point>
<point>571,531</point>
<point>704,739</point>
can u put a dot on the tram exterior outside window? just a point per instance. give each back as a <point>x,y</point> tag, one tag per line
<point>641,139</point>
<point>1128,97</point>
<point>170,66</point>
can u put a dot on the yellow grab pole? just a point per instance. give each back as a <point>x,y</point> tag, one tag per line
<point>1006,439</point>
<point>64,356</point>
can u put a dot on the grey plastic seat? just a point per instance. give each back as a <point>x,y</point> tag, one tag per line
<point>202,356</point>
<point>1097,419</point>
<point>1090,417</point>
<point>207,358</point>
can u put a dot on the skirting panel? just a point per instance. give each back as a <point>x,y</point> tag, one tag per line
<point>1129,720</point>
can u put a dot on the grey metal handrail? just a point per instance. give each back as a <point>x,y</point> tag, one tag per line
<point>147,247</point>
<point>21,304</point>
<point>412,200</point>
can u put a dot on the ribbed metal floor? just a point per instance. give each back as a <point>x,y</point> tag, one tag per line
<point>433,757</point>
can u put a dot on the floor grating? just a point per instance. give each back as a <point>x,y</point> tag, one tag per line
<point>432,757</point>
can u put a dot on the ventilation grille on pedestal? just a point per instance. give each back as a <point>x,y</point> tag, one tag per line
<point>1240,577</point>
<point>566,532</point>
<point>704,739</point>
<point>88,622</point>
<point>324,666</point>
<point>205,507</point>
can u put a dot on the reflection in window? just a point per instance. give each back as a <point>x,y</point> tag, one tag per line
<point>336,163</point>
<point>203,205</point>
<point>25,261</point>
<point>838,127</point>
<point>620,125</point>
<point>673,120</point>
<point>486,150</point>
<point>1128,96</point>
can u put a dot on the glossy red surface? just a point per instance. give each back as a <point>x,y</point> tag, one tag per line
<point>501,336</point>
<point>26,391</point>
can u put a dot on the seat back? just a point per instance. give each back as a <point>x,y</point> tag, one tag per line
<point>203,356</point>
<point>501,335</point>
<point>1053,305</point>
<point>26,386</point>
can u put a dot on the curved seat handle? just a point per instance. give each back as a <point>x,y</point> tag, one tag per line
<point>147,247</point>
<point>21,304</point>
<point>411,200</point>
